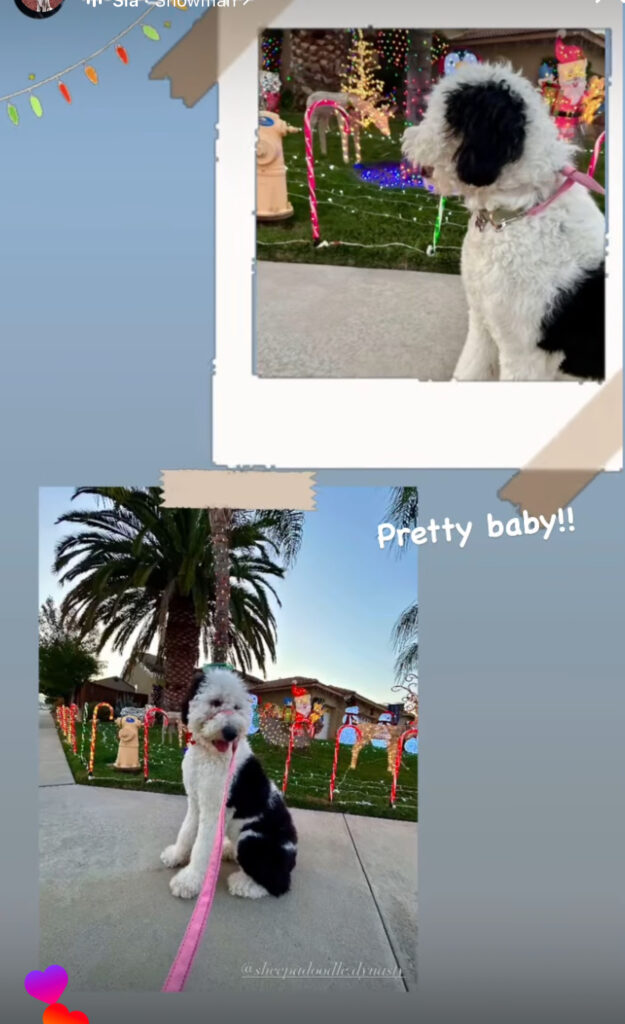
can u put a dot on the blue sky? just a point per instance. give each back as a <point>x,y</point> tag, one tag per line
<point>339,602</point>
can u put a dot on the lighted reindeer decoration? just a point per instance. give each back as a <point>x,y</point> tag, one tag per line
<point>362,114</point>
<point>411,696</point>
<point>384,729</point>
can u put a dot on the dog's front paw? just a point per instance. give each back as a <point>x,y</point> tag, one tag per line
<point>186,884</point>
<point>241,884</point>
<point>171,858</point>
<point>228,852</point>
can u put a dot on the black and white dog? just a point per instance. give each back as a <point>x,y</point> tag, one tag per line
<point>533,256</point>
<point>260,833</point>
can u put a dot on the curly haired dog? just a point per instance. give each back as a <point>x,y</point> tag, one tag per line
<point>532,262</point>
<point>260,833</point>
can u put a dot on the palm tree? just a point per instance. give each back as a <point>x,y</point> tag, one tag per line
<point>143,573</point>
<point>402,511</point>
<point>406,642</point>
<point>282,527</point>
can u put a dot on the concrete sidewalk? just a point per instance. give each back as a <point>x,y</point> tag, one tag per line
<point>53,767</point>
<point>107,914</point>
<point>327,321</point>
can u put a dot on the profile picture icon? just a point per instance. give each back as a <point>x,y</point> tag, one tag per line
<point>39,8</point>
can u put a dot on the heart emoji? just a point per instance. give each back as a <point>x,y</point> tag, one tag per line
<point>59,1014</point>
<point>48,985</point>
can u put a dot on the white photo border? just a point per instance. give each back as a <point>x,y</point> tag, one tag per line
<point>386,423</point>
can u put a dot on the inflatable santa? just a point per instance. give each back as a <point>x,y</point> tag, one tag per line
<point>569,104</point>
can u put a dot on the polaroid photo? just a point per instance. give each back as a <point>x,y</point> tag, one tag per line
<point>419,233</point>
<point>177,658</point>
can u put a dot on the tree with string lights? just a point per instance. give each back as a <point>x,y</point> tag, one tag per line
<point>418,79</point>
<point>359,78</point>
<point>283,529</point>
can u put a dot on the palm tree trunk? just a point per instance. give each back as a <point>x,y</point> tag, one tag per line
<point>181,647</point>
<point>220,520</point>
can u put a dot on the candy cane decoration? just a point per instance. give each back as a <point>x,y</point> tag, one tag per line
<point>147,722</point>
<point>310,159</point>
<point>413,731</point>
<point>73,708</point>
<point>94,726</point>
<point>347,725</point>
<point>83,731</point>
<point>437,226</point>
<point>298,725</point>
<point>592,167</point>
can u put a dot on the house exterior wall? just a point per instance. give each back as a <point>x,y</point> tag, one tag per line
<point>92,693</point>
<point>143,680</point>
<point>335,708</point>
<point>527,56</point>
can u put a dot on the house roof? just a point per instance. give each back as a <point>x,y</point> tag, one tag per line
<point>153,664</point>
<point>517,35</point>
<point>155,667</point>
<point>114,683</point>
<point>307,683</point>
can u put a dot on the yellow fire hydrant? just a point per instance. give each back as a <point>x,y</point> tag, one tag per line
<point>272,202</point>
<point>128,750</point>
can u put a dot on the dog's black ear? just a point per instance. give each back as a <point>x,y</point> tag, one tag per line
<point>197,679</point>
<point>490,120</point>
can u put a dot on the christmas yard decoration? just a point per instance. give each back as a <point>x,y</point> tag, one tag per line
<point>94,727</point>
<point>548,82</point>
<point>73,711</point>
<point>569,104</point>
<point>271,191</point>
<point>448,64</point>
<point>173,729</point>
<point>128,750</point>
<point>359,78</point>
<point>255,722</point>
<point>292,726</point>
<point>269,82</point>
<point>380,733</point>
<point>147,722</point>
<point>594,100</point>
<point>412,732</point>
<point>349,729</point>
<point>449,60</point>
<point>310,159</point>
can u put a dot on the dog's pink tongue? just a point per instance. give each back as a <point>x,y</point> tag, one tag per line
<point>222,745</point>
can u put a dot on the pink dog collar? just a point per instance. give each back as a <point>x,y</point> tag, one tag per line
<point>571,177</point>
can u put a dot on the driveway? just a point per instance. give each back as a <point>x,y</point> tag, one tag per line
<point>325,321</point>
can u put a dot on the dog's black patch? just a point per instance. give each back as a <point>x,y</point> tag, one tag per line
<point>197,679</point>
<point>490,119</point>
<point>261,853</point>
<point>575,325</point>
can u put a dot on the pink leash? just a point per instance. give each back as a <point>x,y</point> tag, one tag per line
<point>181,967</point>
<point>572,177</point>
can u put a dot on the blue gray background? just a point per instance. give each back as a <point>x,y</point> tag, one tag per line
<point>105,378</point>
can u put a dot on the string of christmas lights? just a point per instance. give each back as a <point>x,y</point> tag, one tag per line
<point>83,733</point>
<point>86,63</point>
<point>271,46</point>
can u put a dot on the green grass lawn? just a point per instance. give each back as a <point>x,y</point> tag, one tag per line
<point>363,791</point>
<point>378,227</point>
